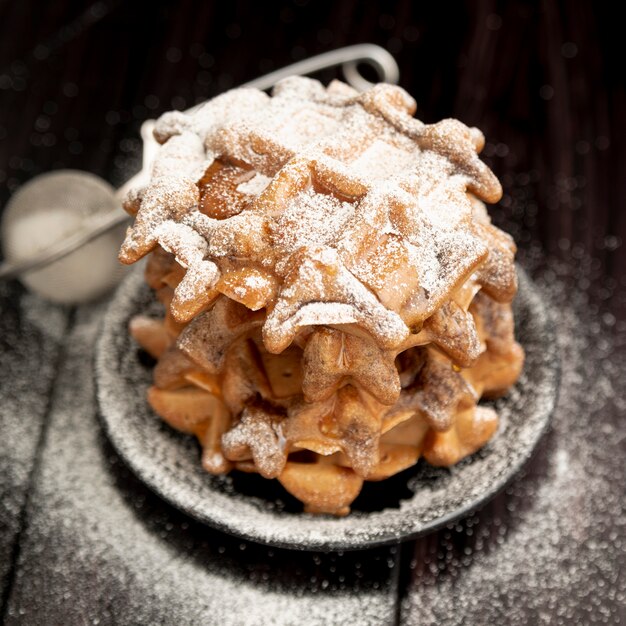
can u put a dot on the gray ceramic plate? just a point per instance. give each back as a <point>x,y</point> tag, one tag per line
<point>415,502</point>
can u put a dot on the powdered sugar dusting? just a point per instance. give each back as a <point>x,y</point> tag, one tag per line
<point>310,219</point>
<point>314,168</point>
<point>31,331</point>
<point>552,550</point>
<point>170,464</point>
<point>100,548</point>
<point>255,185</point>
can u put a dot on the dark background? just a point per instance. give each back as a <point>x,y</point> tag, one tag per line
<point>543,80</point>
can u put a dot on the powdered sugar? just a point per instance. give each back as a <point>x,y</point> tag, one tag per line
<point>310,219</point>
<point>313,168</point>
<point>169,463</point>
<point>553,548</point>
<point>100,548</point>
<point>30,340</point>
<point>255,185</point>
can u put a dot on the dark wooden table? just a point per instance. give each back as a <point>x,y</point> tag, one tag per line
<point>82,541</point>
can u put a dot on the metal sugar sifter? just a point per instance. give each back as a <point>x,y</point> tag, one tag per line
<point>60,232</point>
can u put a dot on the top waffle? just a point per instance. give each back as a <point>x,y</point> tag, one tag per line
<point>326,207</point>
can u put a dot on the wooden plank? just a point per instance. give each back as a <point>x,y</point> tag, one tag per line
<point>31,333</point>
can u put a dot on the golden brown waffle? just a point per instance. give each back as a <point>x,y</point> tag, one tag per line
<point>337,298</point>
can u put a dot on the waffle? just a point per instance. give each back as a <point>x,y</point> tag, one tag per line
<point>337,300</point>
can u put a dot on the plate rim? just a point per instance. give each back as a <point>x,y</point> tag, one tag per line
<point>348,541</point>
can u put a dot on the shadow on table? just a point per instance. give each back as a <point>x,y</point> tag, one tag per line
<point>276,568</point>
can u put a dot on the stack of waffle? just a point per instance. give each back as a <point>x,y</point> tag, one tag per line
<point>336,298</point>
